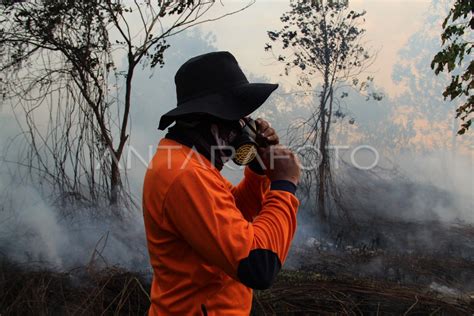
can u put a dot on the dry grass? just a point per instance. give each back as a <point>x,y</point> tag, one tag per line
<point>117,292</point>
<point>335,280</point>
<point>113,291</point>
<point>303,293</point>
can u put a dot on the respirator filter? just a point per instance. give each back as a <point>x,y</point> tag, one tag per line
<point>245,144</point>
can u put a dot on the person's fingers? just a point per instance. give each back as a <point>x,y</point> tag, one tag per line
<point>264,153</point>
<point>262,125</point>
<point>281,151</point>
<point>269,131</point>
<point>260,121</point>
<point>272,139</point>
<point>271,150</point>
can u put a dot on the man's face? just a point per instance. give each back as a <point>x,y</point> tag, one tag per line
<point>227,131</point>
<point>224,134</point>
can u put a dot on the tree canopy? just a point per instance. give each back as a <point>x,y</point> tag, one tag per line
<point>455,57</point>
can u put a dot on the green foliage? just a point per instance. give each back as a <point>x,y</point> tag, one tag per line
<point>324,38</point>
<point>76,29</point>
<point>456,26</point>
<point>79,29</point>
<point>320,35</point>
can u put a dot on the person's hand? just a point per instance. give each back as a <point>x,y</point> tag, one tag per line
<point>266,132</point>
<point>281,164</point>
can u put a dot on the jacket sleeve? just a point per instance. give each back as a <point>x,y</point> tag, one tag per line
<point>249,193</point>
<point>202,209</point>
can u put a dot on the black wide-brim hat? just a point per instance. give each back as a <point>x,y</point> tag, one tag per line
<point>213,84</point>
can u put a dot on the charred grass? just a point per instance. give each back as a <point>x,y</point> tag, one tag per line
<point>324,277</point>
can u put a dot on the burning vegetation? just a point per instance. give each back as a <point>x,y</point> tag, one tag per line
<point>386,244</point>
<point>389,274</point>
<point>342,273</point>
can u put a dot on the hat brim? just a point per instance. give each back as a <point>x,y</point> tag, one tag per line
<point>232,104</point>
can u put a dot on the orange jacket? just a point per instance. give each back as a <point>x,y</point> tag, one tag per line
<point>210,242</point>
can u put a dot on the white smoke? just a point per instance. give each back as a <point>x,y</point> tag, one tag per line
<point>30,229</point>
<point>34,232</point>
<point>34,229</point>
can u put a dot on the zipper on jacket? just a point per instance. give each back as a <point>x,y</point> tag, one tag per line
<point>204,309</point>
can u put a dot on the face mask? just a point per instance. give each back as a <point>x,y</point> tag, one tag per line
<point>246,143</point>
<point>239,143</point>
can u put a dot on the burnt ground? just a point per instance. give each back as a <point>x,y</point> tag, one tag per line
<point>408,253</point>
<point>310,293</point>
<point>377,268</point>
<point>386,268</point>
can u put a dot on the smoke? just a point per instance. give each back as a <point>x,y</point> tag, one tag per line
<point>413,187</point>
<point>412,223</point>
<point>33,231</point>
<point>419,187</point>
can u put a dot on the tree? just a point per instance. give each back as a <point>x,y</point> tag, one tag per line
<point>78,58</point>
<point>325,39</point>
<point>420,108</point>
<point>453,57</point>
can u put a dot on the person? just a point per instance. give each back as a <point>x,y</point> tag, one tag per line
<point>210,242</point>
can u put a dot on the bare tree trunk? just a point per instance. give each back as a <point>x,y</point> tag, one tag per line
<point>115,181</point>
<point>321,186</point>
<point>323,216</point>
<point>115,176</point>
<point>322,164</point>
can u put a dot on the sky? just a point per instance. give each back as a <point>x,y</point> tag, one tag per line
<point>389,25</point>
